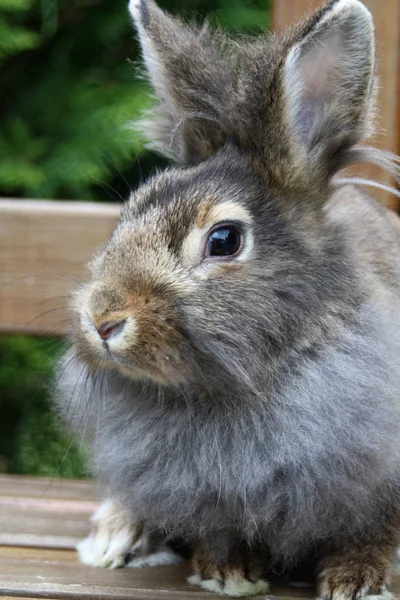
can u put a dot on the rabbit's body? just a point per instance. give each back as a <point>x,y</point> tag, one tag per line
<point>278,474</point>
<point>246,396</point>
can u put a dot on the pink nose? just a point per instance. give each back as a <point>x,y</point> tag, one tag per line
<point>110,329</point>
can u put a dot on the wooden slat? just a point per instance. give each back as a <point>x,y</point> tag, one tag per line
<point>387,28</point>
<point>44,247</point>
<point>55,573</point>
<point>58,574</point>
<point>47,488</point>
<point>46,513</point>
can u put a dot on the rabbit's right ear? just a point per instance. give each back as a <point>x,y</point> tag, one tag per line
<point>191,80</point>
<point>328,86</point>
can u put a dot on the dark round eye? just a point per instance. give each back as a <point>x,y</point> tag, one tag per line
<point>226,240</point>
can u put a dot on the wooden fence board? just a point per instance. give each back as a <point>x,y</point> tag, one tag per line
<point>387,28</point>
<point>44,247</point>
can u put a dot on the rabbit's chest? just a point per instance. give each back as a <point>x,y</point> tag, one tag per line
<point>311,462</point>
<point>201,480</point>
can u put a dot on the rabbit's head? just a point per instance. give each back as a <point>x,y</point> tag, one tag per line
<point>219,264</point>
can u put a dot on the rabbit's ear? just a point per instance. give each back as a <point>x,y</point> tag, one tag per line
<point>191,81</point>
<point>328,78</point>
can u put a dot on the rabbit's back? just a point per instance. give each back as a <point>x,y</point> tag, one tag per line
<point>372,235</point>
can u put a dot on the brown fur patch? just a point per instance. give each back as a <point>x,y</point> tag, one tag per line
<point>101,318</point>
<point>355,573</point>
<point>222,269</point>
<point>241,563</point>
<point>203,212</point>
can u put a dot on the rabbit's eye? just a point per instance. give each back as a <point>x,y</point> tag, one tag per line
<point>225,240</point>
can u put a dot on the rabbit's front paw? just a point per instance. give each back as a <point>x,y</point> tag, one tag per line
<point>356,575</point>
<point>113,538</point>
<point>233,584</point>
<point>237,578</point>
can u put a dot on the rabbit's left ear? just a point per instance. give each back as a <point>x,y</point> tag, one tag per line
<point>192,82</point>
<point>327,82</point>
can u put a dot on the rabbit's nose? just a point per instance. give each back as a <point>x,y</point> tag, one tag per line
<point>110,329</point>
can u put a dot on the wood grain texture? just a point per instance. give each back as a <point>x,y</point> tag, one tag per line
<point>47,488</point>
<point>44,512</point>
<point>40,573</point>
<point>42,570</point>
<point>44,247</point>
<point>386,15</point>
<point>43,573</point>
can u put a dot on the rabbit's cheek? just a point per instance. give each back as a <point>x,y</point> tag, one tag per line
<point>158,356</point>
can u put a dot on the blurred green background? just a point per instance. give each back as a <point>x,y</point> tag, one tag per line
<point>69,88</point>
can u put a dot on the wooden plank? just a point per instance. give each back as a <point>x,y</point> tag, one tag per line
<point>46,513</point>
<point>44,247</point>
<point>58,574</point>
<point>49,525</point>
<point>43,572</point>
<point>387,28</point>
<point>47,488</point>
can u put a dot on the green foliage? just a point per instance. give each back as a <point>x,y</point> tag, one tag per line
<point>68,93</point>
<point>31,439</point>
<point>71,91</point>
<point>68,101</point>
<point>14,36</point>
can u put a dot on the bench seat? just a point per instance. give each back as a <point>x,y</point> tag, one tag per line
<point>41,520</point>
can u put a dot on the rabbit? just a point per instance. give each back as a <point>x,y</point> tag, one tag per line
<point>234,364</point>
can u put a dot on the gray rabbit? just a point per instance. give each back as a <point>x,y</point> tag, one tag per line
<point>235,359</point>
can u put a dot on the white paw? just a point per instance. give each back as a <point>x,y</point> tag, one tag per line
<point>165,556</point>
<point>113,536</point>
<point>233,586</point>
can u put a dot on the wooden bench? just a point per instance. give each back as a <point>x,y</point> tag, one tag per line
<point>41,521</point>
<point>43,249</point>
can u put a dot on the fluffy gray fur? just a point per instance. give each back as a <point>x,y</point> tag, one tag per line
<point>311,460</point>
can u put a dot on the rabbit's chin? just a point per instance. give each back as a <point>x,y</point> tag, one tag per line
<point>165,373</point>
<point>165,377</point>
<point>167,370</point>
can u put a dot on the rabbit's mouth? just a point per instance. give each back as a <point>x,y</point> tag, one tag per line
<point>122,342</point>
